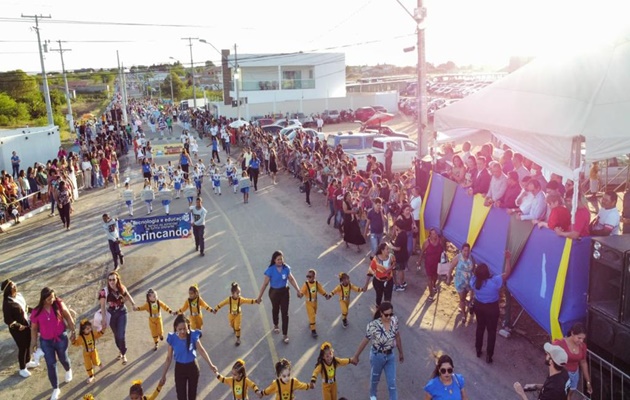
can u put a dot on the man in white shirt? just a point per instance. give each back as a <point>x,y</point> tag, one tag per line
<point>498,184</point>
<point>416,205</point>
<point>320,123</point>
<point>608,218</point>
<point>520,169</point>
<point>199,225</point>
<point>110,225</point>
<point>538,209</point>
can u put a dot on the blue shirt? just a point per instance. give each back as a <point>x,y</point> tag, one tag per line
<point>489,292</point>
<point>254,163</point>
<point>278,280</point>
<point>376,221</point>
<point>183,160</point>
<point>182,354</point>
<point>439,391</point>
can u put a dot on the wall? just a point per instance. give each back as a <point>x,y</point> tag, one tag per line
<point>313,106</point>
<point>38,144</point>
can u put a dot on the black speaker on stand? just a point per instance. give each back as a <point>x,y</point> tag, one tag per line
<point>608,316</point>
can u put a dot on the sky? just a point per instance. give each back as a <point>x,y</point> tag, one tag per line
<point>369,32</point>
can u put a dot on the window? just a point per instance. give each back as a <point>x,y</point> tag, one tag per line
<point>396,146</point>
<point>378,145</point>
<point>410,146</point>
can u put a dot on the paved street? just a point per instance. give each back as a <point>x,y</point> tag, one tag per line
<point>240,239</point>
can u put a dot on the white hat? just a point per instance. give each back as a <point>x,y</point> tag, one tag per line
<point>557,353</point>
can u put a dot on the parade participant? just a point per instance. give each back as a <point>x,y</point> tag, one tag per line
<point>444,384</point>
<point>184,343</point>
<point>486,290</point>
<point>170,170</point>
<point>239,382</point>
<point>384,334</point>
<point>64,201</point>
<point>155,172</point>
<point>254,170</point>
<point>244,184</point>
<point>198,179</point>
<point>110,225</point>
<point>49,319</point>
<point>380,273</point>
<point>15,313</point>
<point>115,170</point>
<point>273,165</point>
<point>189,191</point>
<point>351,230</point>
<point>277,277</point>
<point>194,303</point>
<point>309,290</point>
<point>154,306</point>
<point>326,366</point>
<point>343,290</point>
<point>166,195</point>
<point>199,225</point>
<point>112,298</point>
<point>146,169</point>
<point>216,182</point>
<point>177,183</point>
<point>127,195</point>
<point>136,392</point>
<point>234,312</point>
<point>184,162</point>
<point>399,245</point>
<point>285,385</point>
<point>148,195</point>
<point>87,341</point>
<point>463,265</point>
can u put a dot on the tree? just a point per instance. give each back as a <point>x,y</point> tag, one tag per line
<point>178,85</point>
<point>209,64</point>
<point>12,112</point>
<point>17,84</point>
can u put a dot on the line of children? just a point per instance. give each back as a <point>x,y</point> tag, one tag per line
<point>285,385</point>
<point>235,313</point>
<point>343,290</point>
<point>194,303</point>
<point>310,290</point>
<point>87,340</point>
<point>154,306</point>
<point>239,382</point>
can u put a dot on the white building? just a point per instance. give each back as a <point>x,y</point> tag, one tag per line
<point>37,144</point>
<point>271,78</point>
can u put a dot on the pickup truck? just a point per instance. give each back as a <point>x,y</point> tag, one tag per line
<point>405,150</point>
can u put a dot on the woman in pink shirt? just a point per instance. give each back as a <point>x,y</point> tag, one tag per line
<point>50,319</point>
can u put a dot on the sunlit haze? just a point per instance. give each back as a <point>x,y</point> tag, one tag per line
<point>482,32</point>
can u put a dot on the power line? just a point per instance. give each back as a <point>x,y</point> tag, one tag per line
<point>143,24</point>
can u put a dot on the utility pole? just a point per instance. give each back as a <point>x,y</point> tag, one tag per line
<point>170,74</point>
<point>419,16</point>
<point>121,83</point>
<point>125,99</point>
<point>69,117</point>
<point>237,78</point>
<point>49,112</point>
<point>192,69</point>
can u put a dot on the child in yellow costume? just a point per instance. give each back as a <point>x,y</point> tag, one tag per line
<point>87,340</point>
<point>326,366</point>
<point>194,303</point>
<point>343,289</point>
<point>234,313</point>
<point>154,306</point>
<point>136,392</point>
<point>310,289</point>
<point>285,386</point>
<point>239,382</point>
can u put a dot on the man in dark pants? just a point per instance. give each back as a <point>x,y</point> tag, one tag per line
<point>557,384</point>
<point>389,156</point>
<point>113,237</point>
<point>199,225</point>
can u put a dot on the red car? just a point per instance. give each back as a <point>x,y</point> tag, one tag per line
<point>364,113</point>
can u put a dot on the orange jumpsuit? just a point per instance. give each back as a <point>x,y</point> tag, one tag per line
<point>155,318</point>
<point>196,317</point>
<point>285,391</point>
<point>234,314</point>
<point>344,296</point>
<point>310,290</point>
<point>90,354</point>
<point>329,377</point>
<point>239,388</point>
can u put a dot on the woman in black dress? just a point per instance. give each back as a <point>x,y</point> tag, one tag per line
<point>15,312</point>
<point>351,230</point>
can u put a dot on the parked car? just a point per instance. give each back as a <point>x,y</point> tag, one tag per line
<point>273,129</point>
<point>386,131</point>
<point>379,109</point>
<point>352,140</point>
<point>364,113</point>
<point>331,116</point>
<point>404,152</point>
<point>291,132</point>
<point>307,121</point>
<point>283,122</point>
<point>261,121</point>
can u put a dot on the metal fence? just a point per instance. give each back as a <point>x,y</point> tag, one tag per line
<point>608,381</point>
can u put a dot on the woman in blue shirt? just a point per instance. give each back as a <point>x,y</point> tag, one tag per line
<point>184,162</point>
<point>278,276</point>
<point>445,385</point>
<point>486,290</point>
<point>254,168</point>
<point>183,344</point>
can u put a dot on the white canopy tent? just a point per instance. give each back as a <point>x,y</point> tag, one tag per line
<point>546,109</point>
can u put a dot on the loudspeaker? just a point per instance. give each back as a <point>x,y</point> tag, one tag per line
<point>610,339</point>
<point>609,278</point>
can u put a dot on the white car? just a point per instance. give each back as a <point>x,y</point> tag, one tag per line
<point>283,122</point>
<point>291,132</point>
